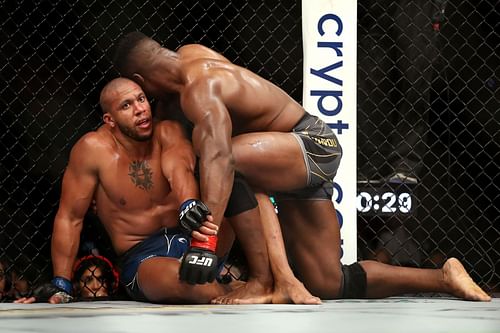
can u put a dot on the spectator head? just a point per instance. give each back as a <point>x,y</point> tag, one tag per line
<point>94,276</point>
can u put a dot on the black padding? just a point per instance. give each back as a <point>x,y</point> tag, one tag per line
<point>242,197</point>
<point>354,281</point>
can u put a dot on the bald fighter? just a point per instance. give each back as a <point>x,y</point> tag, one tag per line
<point>245,123</point>
<point>140,174</point>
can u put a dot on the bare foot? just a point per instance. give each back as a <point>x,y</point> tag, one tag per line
<point>293,291</point>
<point>460,283</point>
<point>252,292</point>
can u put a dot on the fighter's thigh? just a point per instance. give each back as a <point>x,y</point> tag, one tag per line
<point>265,157</point>
<point>158,278</point>
<point>312,237</point>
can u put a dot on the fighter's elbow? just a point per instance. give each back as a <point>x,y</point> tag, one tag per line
<point>67,223</point>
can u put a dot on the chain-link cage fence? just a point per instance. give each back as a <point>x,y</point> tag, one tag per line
<point>55,58</point>
<point>427,105</point>
<point>428,134</point>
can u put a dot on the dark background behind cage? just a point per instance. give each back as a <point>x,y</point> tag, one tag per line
<point>427,89</point>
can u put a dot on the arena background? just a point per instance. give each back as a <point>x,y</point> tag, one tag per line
<point>428,90</point>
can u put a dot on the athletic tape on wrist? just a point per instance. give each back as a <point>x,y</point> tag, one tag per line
<point>62,283</point>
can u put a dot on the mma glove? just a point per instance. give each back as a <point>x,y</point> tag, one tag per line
<point>59,286</point>
<point>192,214</point>
<point>199,263</point>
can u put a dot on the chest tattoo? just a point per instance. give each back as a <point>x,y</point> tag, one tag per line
<point>141,175</point>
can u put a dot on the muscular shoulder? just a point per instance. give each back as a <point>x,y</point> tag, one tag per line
<point>95,140</point>
<point>91,146</point>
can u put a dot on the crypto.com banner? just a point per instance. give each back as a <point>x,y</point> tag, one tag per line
<point>329,41</point>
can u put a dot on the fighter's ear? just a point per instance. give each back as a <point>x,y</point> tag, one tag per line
<point>108,119</point>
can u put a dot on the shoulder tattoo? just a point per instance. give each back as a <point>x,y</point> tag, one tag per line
<point>141,175</point>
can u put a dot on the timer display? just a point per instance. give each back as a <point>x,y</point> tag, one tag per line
<point>385,200</point>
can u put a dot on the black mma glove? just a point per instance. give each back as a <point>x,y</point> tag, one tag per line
<point>192,214</point>
<point>59,286</point>
<point>199,263</point>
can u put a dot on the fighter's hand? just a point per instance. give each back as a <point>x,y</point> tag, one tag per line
<point>199,263</point>
<point>59,291</point>
<point>46,293</point>
<point>208,229</point>
<point>54,299</point>
<point>192,214</point>
<point>25,300</point>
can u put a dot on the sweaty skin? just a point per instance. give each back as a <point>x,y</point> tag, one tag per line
<point>243,122</point>
<point>222,100</point>
<point>219,98</point>
<point>139,172</point>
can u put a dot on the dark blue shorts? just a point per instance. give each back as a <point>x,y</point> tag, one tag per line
<point>164,243</point>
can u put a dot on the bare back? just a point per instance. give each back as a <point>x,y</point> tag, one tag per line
<point>253,103</point>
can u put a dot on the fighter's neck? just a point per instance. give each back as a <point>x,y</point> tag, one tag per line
<point>170,74</point>
<point>133,149</point>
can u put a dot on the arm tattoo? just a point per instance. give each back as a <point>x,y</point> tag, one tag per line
<point>141,175</point>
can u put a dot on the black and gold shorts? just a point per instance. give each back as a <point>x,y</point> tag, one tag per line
<point>322,153</point>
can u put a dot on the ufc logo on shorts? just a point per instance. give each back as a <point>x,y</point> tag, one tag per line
<point>203,261</point>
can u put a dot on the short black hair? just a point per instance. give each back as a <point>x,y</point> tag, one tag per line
<point>124,48</point>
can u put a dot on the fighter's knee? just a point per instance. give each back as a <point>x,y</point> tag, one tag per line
<point>348,282</point>
<point>354,282</point>
<point>242,197</point>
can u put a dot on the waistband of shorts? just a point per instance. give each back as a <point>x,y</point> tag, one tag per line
<point>301,119</point>
<point>304,117</point>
